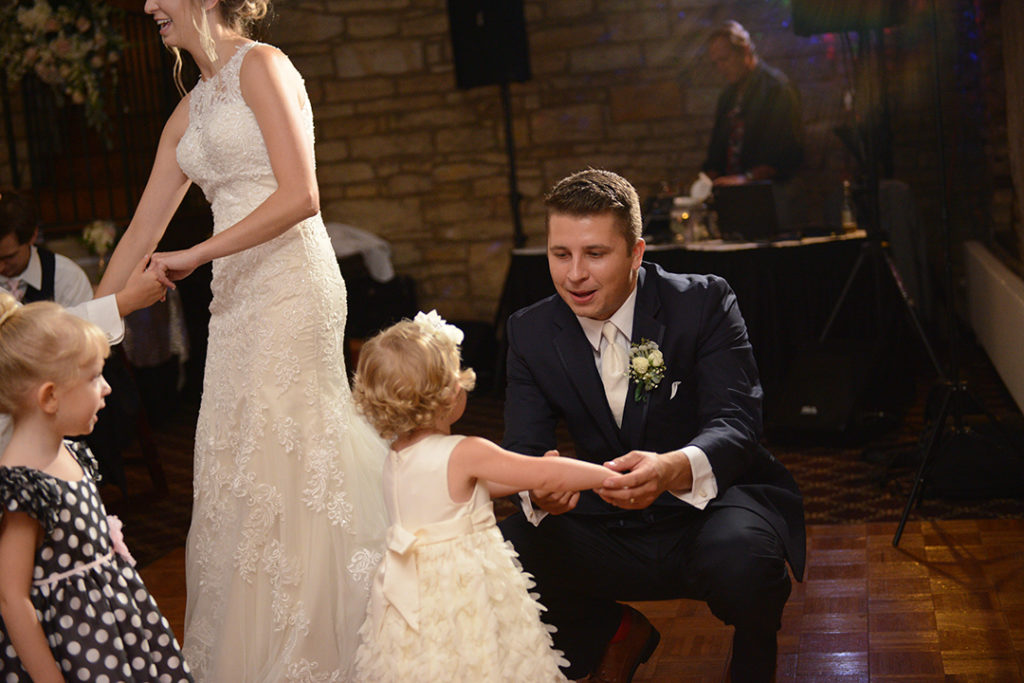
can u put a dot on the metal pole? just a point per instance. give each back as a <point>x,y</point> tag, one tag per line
<point>519,237</point>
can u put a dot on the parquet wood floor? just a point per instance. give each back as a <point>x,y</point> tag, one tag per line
<point>946,605</point>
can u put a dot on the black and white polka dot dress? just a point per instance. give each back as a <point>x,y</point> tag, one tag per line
<point>99,619</point>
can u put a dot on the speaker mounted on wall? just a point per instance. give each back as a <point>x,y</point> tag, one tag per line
<point>811,17</point>
<point>488,42</point>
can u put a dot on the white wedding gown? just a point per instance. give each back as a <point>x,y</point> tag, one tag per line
<point>288,517</point>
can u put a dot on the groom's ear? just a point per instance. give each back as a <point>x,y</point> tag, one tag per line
<point>637,256</point>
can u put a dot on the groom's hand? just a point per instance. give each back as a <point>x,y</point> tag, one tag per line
<point>645,475</point>
<point>554,502</point>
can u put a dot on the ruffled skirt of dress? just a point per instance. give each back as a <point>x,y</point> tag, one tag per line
<point>288,517</point>
<point>478,623</point>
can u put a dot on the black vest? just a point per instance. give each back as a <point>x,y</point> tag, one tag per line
<point>45,292</point>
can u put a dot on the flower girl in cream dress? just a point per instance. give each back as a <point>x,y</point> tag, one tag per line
<point>449,601</point>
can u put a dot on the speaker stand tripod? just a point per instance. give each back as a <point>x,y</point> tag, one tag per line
<point>874,250</point>
<point>955,395</point>
<point>518,236</point>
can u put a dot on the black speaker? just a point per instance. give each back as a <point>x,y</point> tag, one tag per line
<point>836,16</point>
<point>823,391</point>
<point>488,42</point>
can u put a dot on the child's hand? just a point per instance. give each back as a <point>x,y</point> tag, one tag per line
<point>141,290</point>
<point>636,480</point>
<point>642,476</point>
<point>554,502</point>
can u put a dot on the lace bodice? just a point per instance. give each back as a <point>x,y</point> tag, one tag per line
<point>222,150</point>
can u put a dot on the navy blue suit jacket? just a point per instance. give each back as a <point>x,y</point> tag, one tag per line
<point>716,405</point>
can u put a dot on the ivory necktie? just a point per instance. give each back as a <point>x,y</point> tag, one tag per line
<point>613,372</point>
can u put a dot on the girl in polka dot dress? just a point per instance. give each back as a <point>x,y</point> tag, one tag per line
<point>72,607</point>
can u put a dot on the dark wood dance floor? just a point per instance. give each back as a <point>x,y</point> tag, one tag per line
<point>947,605</point>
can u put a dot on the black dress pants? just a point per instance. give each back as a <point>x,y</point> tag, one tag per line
<point>583,565</point>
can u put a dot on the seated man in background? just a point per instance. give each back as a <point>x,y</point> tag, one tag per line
<point>758,130</point>
<point>34,273</point>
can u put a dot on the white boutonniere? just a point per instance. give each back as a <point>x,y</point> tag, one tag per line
<point>433,321</point>
<point>646,368</point>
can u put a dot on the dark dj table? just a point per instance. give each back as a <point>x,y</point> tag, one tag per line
<point>786,290</point>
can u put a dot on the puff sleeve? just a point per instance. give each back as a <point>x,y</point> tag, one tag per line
<point>23,489</point>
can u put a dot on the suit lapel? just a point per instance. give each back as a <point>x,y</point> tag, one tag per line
<point>577,358</point>
<point>645,326</point>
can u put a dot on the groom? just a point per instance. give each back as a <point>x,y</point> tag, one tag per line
<point>700,509</point>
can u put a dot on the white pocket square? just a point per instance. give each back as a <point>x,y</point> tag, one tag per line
<point>675,388</point>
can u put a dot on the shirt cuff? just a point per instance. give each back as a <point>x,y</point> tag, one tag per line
<point>103,313</point>
<point>533,516</point>
<point>705,486</point>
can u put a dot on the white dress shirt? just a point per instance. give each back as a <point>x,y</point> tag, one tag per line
<point>71,285</point>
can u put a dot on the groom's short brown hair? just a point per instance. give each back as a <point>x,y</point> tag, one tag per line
<point>595,191</point>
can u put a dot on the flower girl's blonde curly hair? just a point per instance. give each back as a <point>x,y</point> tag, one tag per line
<point>407,377</point>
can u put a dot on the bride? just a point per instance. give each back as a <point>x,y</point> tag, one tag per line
<point>287,515</point>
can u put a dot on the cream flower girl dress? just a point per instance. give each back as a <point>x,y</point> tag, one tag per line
<point>450,601</point>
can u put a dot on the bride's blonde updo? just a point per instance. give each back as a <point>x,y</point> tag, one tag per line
<point>241,16</point>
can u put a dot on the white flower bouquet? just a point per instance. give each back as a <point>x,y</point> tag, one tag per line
<point>99,236</point>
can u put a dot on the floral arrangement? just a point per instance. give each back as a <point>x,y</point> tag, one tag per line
<point>67,44</point>
<point>646,368</point>
<point>99,236</point>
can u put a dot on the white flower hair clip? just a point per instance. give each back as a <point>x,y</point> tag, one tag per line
<point>433,321</point>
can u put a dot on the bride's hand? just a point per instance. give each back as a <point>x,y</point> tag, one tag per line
<point>170,266</point>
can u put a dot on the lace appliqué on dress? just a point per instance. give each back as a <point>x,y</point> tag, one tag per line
<point>277,439</point>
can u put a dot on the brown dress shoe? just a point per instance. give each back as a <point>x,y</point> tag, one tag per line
<point>621,659</point>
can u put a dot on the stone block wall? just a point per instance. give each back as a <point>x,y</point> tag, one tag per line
<point>622,85</point>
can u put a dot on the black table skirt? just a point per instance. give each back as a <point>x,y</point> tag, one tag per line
<point>786,293</point>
